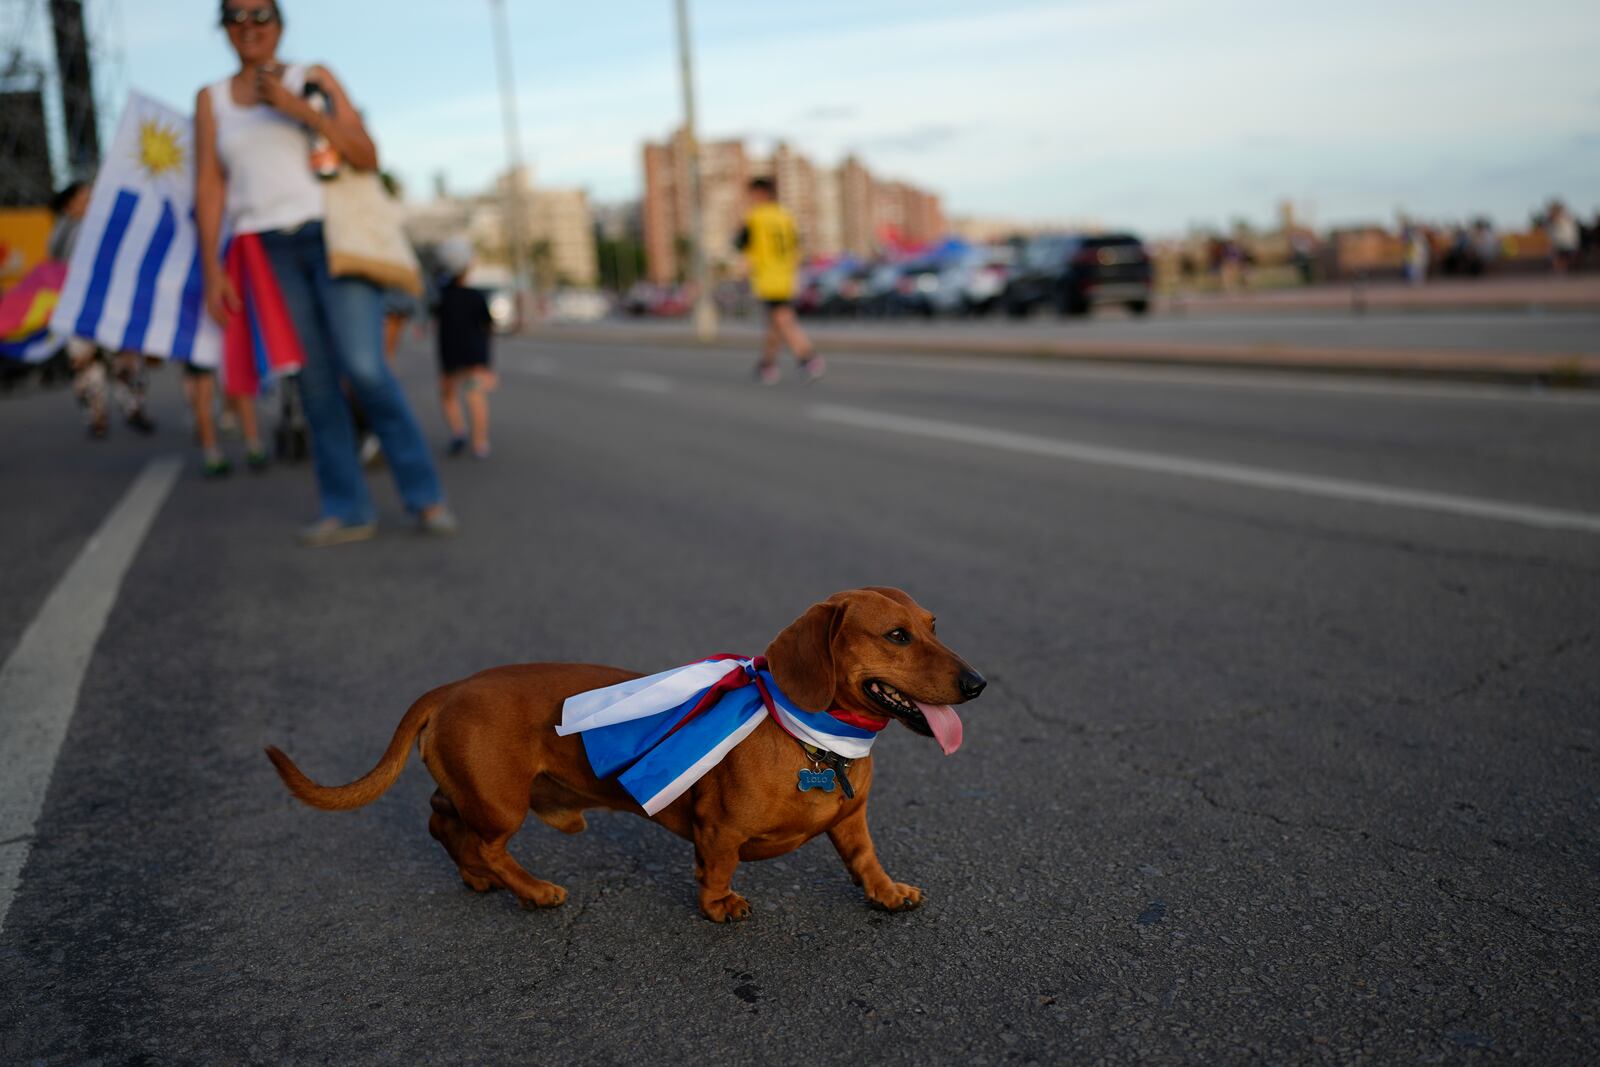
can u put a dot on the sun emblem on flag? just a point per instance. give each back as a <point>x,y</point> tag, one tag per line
<point>160,151</point>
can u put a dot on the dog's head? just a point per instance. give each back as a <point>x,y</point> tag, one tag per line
<point>873,651</point>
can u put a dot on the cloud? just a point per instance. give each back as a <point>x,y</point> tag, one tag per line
<point>917,139</point>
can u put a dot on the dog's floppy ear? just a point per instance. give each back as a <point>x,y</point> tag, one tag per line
<point>801,657</point>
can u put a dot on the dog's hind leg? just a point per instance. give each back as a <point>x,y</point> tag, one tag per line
<point>463,845</point>
<point>487,823</point>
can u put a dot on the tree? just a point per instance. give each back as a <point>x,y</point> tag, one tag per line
<point>542,255</point>
<point>621,261</point>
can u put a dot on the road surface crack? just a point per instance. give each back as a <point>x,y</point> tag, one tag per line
<point>1443,885</point>
<point>1515,662</point>
<point>1127,726</point>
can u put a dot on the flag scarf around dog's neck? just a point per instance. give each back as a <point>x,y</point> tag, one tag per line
<point>660,734</point>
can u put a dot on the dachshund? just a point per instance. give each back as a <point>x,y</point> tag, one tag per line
<point>867,656</point>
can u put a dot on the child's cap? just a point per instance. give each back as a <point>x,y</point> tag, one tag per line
<point>454,255</point>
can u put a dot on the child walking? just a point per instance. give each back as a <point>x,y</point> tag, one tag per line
<point>464,329</point>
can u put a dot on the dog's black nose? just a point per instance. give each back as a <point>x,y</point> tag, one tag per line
<point>971,683</point>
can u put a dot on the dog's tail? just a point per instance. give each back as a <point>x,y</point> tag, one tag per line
<point>370,786</point>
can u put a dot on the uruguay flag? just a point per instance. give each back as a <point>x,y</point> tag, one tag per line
<point>135,279</point>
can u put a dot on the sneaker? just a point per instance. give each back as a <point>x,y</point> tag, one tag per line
<point>142,423</point>
<point>457,446</point>
<point>439,522</point>
<point>813,367</point>
<point>216,468</point>
<point>257,460</point>
<point>99,429</point>
<point>482,453</point>
<point>371,452</point>
<point>328,531</point>
<point>768,373</point>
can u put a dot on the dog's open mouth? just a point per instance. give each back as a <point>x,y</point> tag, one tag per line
<point>938,721</point>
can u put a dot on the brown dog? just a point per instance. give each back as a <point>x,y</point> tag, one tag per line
<point>491,744</point>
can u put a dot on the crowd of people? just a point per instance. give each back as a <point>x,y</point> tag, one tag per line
<point>266,138</point>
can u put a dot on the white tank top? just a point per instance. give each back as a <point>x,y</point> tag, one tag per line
<point>265,155</point>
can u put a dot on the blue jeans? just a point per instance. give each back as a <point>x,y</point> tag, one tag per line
<point>340,323</point>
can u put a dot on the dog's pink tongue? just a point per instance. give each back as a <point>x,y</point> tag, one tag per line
<point>945,724</point>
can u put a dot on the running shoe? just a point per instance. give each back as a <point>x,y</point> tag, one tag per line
<point>328,531</point>
<point>768,374</point>
<point>438,523</point>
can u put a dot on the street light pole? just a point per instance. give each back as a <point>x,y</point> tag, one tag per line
<point>705,310</point>
<point>515,230</point>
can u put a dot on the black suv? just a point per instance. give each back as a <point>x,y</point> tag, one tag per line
<point>1073,272</point>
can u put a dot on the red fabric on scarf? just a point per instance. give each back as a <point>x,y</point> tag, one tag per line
<point>263,317</point>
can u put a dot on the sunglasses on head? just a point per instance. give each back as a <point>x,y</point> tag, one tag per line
<point>240,16</point>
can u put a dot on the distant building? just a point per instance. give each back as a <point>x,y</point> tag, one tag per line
<point>724,173</point>
<point>556,223</point>
<point>837,210</point>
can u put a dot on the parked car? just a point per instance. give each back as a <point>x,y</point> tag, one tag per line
<point>645,298</point>
<point>839,290</point>
<point>1073,272</point>
<point>916,288</point>
<point>973,282</point>
<point>878,290</point>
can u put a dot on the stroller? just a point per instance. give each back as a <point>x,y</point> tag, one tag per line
<point>291,437</point>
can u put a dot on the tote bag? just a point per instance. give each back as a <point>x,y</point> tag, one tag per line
<point>362,229</point>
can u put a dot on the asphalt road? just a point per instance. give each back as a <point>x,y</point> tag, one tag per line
<point>1535,332</point>
<point>1289,753</point>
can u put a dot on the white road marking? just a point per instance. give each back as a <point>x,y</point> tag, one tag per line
<point>644,383</point>
<point>1232,378</point>
<point>39,683</point>
<point>1231,473</point>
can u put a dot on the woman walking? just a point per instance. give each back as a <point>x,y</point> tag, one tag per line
<point>252,160</point>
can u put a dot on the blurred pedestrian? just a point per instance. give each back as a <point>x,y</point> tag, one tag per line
<point>1487,245</point>
<point>95,371</point>
<point>1562,228</point>
<point>254,135</point>
<point>1414,242</point>
<point>771,245</point>
<point>200,390</point>
<point>464,330</point>
<point>399,308</point>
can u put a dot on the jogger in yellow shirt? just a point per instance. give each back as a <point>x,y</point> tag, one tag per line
<point>771,245</point>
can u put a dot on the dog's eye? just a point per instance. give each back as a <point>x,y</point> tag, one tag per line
<point>899,636</point>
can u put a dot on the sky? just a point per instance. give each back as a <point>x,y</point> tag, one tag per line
<point>1151,114</point>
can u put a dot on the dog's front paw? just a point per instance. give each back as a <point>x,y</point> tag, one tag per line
<point>896,896</point>
<point>543,895</point>
<point>725,909</point>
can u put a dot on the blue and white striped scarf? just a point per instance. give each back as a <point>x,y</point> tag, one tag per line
<point>660,734</point>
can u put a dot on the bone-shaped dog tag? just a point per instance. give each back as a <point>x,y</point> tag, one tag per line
<point>822,780</point>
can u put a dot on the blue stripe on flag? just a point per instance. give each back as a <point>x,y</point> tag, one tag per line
<point>258,342</point>
<point>144,293</point>
<point>105,258</point>
<point>193,302</point>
